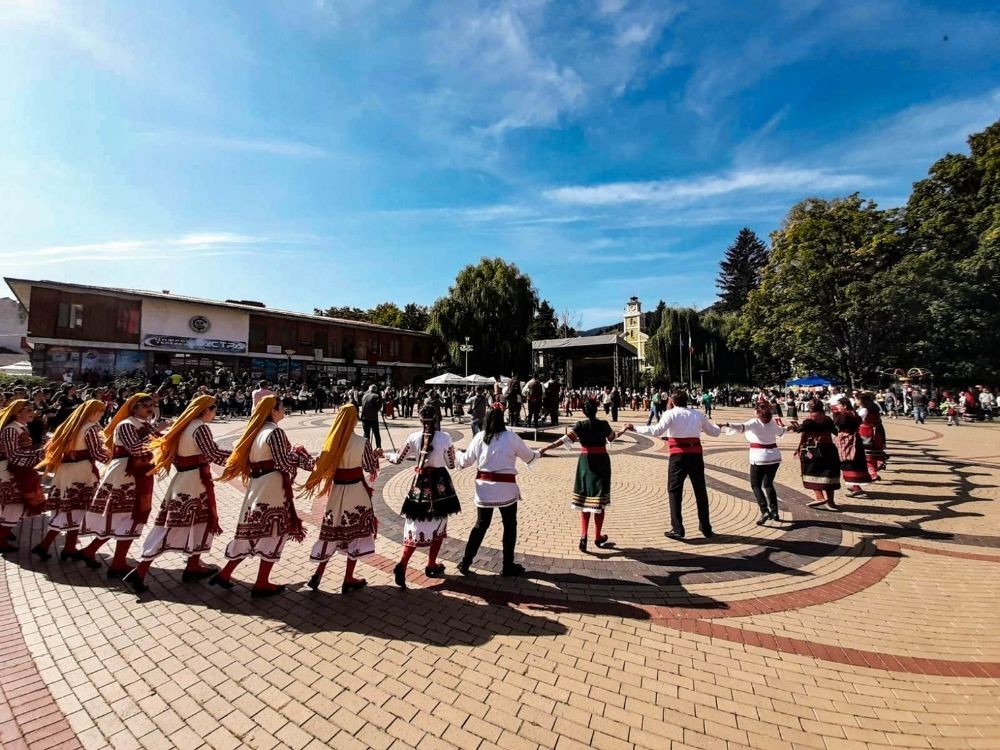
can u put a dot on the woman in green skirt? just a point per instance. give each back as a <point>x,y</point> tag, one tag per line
<point>592,487</point>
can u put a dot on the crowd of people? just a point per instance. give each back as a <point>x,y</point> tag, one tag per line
<point>98,451</point>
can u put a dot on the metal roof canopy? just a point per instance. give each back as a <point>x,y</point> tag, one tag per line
<point>584,342</point>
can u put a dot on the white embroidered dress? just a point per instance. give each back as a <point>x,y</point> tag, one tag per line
<point>349,523</point>
<point>75,481</point>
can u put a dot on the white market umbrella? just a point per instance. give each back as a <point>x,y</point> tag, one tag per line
<point>18,368</point>
<point>478,380</point>
<point>447,378</point>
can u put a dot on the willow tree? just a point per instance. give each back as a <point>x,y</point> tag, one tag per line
<point>493,304</point>
<point>667,348</point>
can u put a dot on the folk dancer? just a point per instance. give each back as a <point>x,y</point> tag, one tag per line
<point>762,433</point>
<point>124,497</point>
<point>494,452</point>
<point>265,460</point>
<point>20,485</point>
<point>682,426</point>
<point>818,456</point>
<point>592,486</point>
<point>345,471</point>
<point>431,498</point>
<point>872,433</point>
<point>851,449</point>
<point>71,457</point>
<point>188,519</point>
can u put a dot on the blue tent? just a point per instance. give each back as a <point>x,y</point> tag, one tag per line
<point>813,381</point>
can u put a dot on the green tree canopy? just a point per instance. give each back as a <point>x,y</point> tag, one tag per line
<point>494,304</point>
<point>545,325</point>
<point>740,270</point>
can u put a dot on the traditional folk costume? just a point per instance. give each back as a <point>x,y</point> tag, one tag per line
<point>818,456</point>
<point>266,461</point>
<point>71,456</point>
<point>765,459</point>
<point>188,519</point>
<point>20,485</point>
<point>496,487</point>
<point>431,498</point>
<point>683,428</point>
<point>851,451</point>
<point>345,470</point>
<point>872,433</point>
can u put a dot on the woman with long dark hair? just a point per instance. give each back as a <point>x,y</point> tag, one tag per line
<point>432,496</point>
<point>592,486</point>
<point>494,452</point>
<point>853,464</point>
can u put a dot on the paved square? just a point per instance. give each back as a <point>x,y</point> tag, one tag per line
<point>872,627</point>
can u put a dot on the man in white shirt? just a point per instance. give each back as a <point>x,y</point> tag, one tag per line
<point>683,428</point>
<point>262,390</point>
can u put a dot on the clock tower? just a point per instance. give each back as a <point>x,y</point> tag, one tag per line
<point>634,328</point>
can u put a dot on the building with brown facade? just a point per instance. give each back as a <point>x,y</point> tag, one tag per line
<point>107,331</point>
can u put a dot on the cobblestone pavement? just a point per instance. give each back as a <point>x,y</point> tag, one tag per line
<point>874,626</point>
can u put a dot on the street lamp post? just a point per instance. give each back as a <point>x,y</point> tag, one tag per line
<point>289,353</point>
<point>466,347</point>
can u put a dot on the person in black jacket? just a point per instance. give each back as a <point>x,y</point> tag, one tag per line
<point>371,407</point>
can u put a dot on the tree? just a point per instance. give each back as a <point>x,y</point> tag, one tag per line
<point>493,303</point>
<point>667,348</point>
<point>343,313</point>
<point>820,300</point>
<point>544,325</point>
<point>386,314</point>
<point>740,270</point>
<point>415,317</point>
<point>569,321</point>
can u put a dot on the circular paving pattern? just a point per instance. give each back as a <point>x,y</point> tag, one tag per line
<point>871,626</point>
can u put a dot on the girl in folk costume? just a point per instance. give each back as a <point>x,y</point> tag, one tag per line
<point>853,464</point>
<point>189,518</point>
<point>345,471</point>
<point>765,457</point>
<point>592,487</point>
<point>494,452</point>
<point>71,457</point>
<point>818,454</point>
<point>872,433</point>
<point>431,498</point>
<point>124,498</point>
<point>265,460</point>
<point>20,485</point>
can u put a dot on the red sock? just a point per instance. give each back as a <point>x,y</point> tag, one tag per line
<point>263,572</point>
<point>349,573</point>
<point>404,559</point>
<point>584,524</point>
<point>4,533</point>
<point>120,561</point>
<point>91,549</point>
<point>598,524</point>
<point>48,539</point>
<point>71,538</point>
<point>143,568</point>
<point>227,572</point>
<point>432,553</point>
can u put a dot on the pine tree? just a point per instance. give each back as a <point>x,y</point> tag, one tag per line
<point>740,270</point>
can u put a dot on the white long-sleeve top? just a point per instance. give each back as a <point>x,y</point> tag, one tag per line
<point>499,456</point>
<point>679,422</point>
<point>442,451</point>
<point>762,433</point>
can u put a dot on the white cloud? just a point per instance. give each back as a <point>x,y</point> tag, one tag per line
<point>764,179</point>
<point>271,147</point>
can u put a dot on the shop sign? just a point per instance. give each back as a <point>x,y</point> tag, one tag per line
<point>158,341</point>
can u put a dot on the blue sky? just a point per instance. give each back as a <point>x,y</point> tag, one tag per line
<point>319,152</point>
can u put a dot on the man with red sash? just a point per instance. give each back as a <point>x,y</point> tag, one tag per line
<point>683,428</point>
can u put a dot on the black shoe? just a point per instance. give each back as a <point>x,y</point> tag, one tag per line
<point>350,586</point>
<point>707,533</point>
<point>673,534</point>
<point>134,582</point>
<point>764,518</point>
<point>583,544</point>
<point>601,541</point>
<point>118,574</point>
<point>256,593</point>
<point>313,582</point>
<point>465,568</point>
<point>513,570</point>
<point>90,562</point>
<point>218,580</point>
<point>196,575</point>
<point>399,574</point>
<point>41,552</point>
<point>774,515</point>
<point>434,571</point>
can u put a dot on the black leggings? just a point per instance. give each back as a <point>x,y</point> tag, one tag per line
<point>508,514</point>
<point>762,483</point>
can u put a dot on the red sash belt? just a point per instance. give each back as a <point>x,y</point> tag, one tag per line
<point>489,476</point>
<point>348,476</point>
<point>189,463</point>
<point>138,469</point>
<point>684,445</point>
<point>260,468</point>
<point>75,457</point>
<point>593,449</point>
<point>764,446</point>
<point>199,462</point>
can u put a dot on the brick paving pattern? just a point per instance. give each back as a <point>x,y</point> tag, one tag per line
<point>874,626</point>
